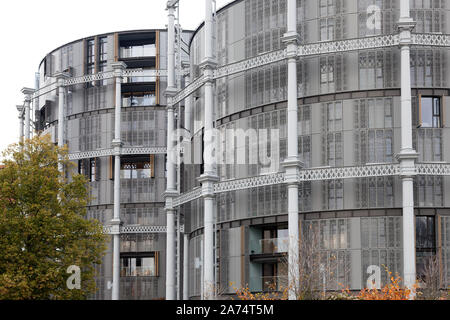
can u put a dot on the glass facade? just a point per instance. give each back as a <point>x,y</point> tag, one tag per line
<point>348,115</point>
<point>90,129</point>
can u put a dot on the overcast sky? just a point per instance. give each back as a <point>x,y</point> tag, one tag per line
<point>30,29</point>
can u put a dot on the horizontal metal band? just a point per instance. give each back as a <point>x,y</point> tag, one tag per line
<point>427,39</point>
<point>110,152</point>
<point>246,183</point>
<point>184,93</point>
<point>319,48</point>
<point>379,170</point>
<point>195,193</point>
<point>89,78</point>
<point>97,77</point>
<point>317,174</point>
<point>140,229</point>
<point>433,169</point>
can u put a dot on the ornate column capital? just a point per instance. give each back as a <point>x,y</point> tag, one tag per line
<point>170,92</point>
<point>407,159</point>
<point>117,146</point>
<point>115,226</point>
<point>61,78</point>
<point>118,68</point>
<point>292,40</point>
<point>207,181</point>
<point>207,66</point>
<point>292,167</point>
<point>405,27</point>
<point>169,196</point>
<point>186,67</point>
<point>171,5</point>
<point>28,92</point>
<point>20,109</point>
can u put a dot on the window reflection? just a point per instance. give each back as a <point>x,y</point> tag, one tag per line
<point>136,170</point>
<point>135,99</point>
<point>144,50</point>
<point>144,266</point>
<point>425,242</point>
<point>430,112</point>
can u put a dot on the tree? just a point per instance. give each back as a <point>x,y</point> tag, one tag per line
<point>43,228</point>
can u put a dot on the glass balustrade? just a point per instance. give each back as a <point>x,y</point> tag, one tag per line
<point>146,271</point>
<point>139,101</point>
<point>269,246</point>
<point>146,50</point>
<point>269,283</point>
<point>146,75</point>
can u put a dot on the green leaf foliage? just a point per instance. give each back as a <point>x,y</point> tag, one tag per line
<point>43,225</point>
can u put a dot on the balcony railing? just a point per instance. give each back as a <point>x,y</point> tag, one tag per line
<point>148,50</point>
<point>269,246</point>
<point>146,75</point>
<point>147,100</point>
<point>137,272</point>
<point>268,283</point>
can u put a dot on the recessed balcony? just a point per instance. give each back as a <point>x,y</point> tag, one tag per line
<point>269,246</point>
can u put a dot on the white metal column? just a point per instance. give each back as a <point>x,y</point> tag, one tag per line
<point>60,79</point>
<point>117,145</point>
<point>292,163</point>
<point>28,94</point>
<point>186,267</point>
<point>188,106</point>
<point>20,108</point>
<point>209,177</point>
<point>407,155</point>
<point>171,189</point>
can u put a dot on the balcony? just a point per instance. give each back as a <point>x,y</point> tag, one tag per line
<point>269,246</point>
<point>146,271</point>
<point>147,75</point>
<point>268,283</point>
<point>146,50</point>
<point>139,101</point>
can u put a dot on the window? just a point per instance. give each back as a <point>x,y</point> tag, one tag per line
<point>102,49</point>
<point>428,191</point>
<point>333,193</point>
<point>332,139</point>
<point>334,150</point>
<point>135,99</point>
<point>93,169</point>
<point>139,265</point>
<point>90,168</point>
<point>430,112</point>
<point>373,133</point>
<point>334,116</point>
<point>103,57</point>
<point>425,242</point>
<point>429,18</point>
<point>428,68</point>
<point>137,168</point>
<point>327,74</point>
<point>371,69</point>
<point>81,167</point>
<point>90,133</point>
<point>428,143</point>
<point>90,61</point>
<point>332,74</point>
<point>135,51</point>
<point>327,29</point>
<point>140,127</point>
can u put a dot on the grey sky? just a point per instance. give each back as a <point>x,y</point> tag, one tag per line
<point>30,29</point>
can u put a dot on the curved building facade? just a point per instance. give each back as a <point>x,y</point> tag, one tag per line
<point>349,134</point>
<point>311,122</point>
<point>88,69</point>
